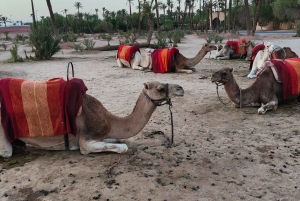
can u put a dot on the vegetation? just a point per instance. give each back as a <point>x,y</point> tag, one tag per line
<point>14,54</point>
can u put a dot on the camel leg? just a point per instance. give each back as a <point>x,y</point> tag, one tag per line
<point>223,58</point>
<point>119,63</point>
<point>93,146</point>
<point>5,146</point>
<point>136,67</point>
<point>184,71</point>
<point>269,106</point>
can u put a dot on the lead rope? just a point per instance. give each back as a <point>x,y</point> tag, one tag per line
<point>66,136</point>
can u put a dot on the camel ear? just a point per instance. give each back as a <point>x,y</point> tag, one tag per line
<point>231,69</point>
<point>146,85</point>
<point>204,45</point>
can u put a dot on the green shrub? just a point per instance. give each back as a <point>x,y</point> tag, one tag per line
<point>69,37</point>
<point>44,43</point>
<point>106,37</point>
<point>89,44</point>
<point>14,54</point>
<point>78,46</point>
<point>161,40</point>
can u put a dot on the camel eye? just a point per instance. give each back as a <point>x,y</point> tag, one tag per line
<point>224,73</point>
<point>160,89</point>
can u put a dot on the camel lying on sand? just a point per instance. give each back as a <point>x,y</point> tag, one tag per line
<point>265,92</point>
<point>135,61</point>
<point>271,51</point>
<point>97,128</point>
<point>226,52</point>
<point>181,64</point>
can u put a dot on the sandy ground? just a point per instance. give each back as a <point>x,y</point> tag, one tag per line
<point>220,152</point>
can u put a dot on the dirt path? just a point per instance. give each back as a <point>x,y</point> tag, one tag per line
<point>220,152</point>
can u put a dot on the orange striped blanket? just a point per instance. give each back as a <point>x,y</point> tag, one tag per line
<point>127,52</point>
<point>237,46</point>
<point>288,72</point>
<point>162,60</point>
<point>40,108</point>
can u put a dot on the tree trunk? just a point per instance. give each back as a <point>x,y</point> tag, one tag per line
<point>257,13</point>
<point>225,18</point>
<point>151,30</point>
<point>247,16</point>
<point>235,11</point>
<point>157,15</point>
<point>229,15</point>
<point>33,15</point>
<point>52,18</point>
<point>184,15</point>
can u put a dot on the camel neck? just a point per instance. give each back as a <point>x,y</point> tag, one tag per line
<point>190,62</point>
<point>131,125</point>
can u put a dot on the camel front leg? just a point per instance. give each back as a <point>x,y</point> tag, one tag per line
<point>224,58</point>
<point>119,63</point>
<point>5,146</point>
<point>184,71</point>
<point>136,67</point>
<point>269,106</point>
<point>93,146</point>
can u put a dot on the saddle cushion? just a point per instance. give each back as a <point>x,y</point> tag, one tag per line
<point>40,108</point>
<point>162,60</point>
<point>254,53</point>
<point>127,52</point>
<point>238,46</point>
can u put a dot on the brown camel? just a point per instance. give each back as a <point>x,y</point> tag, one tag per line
<point>283,53</point>
<point>97,128</point>
<point>181,64</point>
<point>265,91</point>
<point>226,52</point>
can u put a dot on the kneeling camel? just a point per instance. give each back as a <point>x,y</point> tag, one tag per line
<point>98,130</point>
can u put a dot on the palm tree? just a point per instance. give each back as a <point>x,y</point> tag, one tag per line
<point>163,7</point>
<point>257,13</point>
<point>130,2</point>
<point>33,15</point>
<point>4,20</point>
<point>96,10</point>
<point>229,14</point>
<point>178,9</point>
<point>147,8</point>
<point>65,11</point>
<point>187,2</point>
<point>52,18</point>
<point>247,16</point>
<point>78,5</point>
<point>139,15</point>
<point>156,7</point>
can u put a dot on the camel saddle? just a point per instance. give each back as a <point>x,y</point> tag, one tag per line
<point>162,60</point>
<point>286,72</point>
<point>40,108</point>
<point>127,52</point>
<point>238,46</point>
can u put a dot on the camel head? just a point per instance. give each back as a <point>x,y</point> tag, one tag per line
<point>159,92</point>
<point>207,47</point>
<point>222,76</point>
<point>149,50</point>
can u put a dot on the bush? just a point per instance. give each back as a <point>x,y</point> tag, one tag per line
<point>69,37</point>
<point>161,40</point>
<point>20,37</point>
<point>106,37</point>
<point>89,44</point>
<point>44,43</point>
<point>78,46</point>
<point>14,54</point>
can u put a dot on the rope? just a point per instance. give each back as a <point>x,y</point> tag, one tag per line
<point>112,166</point>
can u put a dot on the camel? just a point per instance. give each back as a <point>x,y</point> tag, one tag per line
<point>181,64</point>
<point>265,92</point>
<point>98,130</point>
<point>226,52</point>
<point>271,51</point>
<point>136,62</point>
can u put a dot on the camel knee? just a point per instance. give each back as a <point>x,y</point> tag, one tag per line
<point>119,63</point>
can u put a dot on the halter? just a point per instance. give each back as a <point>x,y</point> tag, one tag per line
<point>221,84</point>
<point>166,100</point>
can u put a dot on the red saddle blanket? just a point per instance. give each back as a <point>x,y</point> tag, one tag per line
<point>162,60</point>
<point>289,74</point>
<point>237,46</point>
<point>127,52</point>
<point>40,108</point>
<point>254,53</point>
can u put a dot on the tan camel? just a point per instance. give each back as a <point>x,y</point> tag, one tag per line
<point>265,91</point>
<point>181,64</point>
<point>97,128</point>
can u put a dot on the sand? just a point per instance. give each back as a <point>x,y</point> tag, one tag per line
<point>219,152</point>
